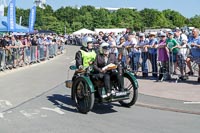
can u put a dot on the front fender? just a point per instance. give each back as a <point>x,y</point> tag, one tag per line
<point>131,75</point>
<point>87,80</point>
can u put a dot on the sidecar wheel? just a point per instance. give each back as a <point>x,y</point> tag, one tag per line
<point>83,97</point>
<point>129,86</point>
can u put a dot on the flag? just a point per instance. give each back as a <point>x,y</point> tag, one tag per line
<point>11,17</point>
<point>32,18</point>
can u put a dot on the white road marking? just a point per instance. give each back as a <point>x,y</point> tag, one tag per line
<point>57,110</point>
<point>1,115</point>
<point>30,115</point>
<point>5,103</point>
<point>43,116</point>
<point>191,102</point>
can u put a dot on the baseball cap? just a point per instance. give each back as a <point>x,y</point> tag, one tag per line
<point>172,33</point>
<point>177,29</point>
<point>163,34</point>
<point>141,34</point>
<point>152,33</point>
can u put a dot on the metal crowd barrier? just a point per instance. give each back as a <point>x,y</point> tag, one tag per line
<point>2,59</point>
<point>147,63</point>
<point>18,57</point>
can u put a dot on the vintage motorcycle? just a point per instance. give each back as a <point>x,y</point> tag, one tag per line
<point>87,89</point>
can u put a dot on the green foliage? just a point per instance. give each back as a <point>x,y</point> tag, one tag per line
<point>195,21</point>
<point>89,17</point>
<point>154,18</point>
<point>175,18</point>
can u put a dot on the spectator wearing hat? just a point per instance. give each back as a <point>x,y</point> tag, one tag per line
<point>163,55</point>
<point>178,35</point>
<point>50,46</point>
<point>129,44</point>
<point>142,43</point>
<point>19,46</point>
<point>9,51</point>
<point>3,45</point>
<point>121,50</point>
<point>118,37</point>
<point>181,57</point>
<point>136,53</point>
<point>34,49</point>
<point>173,47</point>
<point>194,44</point>
<point>163,52</point>
<point>113,45</point>
<point>16,44</point>
<point>153,53</point>
<point>27,57</point>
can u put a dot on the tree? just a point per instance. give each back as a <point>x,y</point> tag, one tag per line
<point>174,17</point>
<point>153,18</point>
<point>101,18</point>
<point>66,14</point>
<point>89,17</point>
<point>195,21</point>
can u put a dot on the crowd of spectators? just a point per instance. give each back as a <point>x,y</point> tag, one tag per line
<point>169,52</point>
<point>20,50</point>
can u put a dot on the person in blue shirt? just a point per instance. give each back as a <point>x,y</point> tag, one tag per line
<point>142,45</point>
<point>153,53</point>
<point>194,44</point>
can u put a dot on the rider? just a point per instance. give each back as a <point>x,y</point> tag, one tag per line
<point>86,55</point>
<point>103,59</point>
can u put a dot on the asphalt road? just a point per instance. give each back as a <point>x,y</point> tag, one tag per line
<point>34,99</point>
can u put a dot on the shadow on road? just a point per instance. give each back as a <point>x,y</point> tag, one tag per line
<point>103,108</point>
<point>63,102</point>
<point>66,103</point>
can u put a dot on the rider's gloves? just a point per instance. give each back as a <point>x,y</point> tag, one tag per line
<point>80,67</point>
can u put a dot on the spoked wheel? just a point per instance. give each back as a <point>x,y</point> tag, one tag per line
<point>129,86</point>
<point>83,97</point>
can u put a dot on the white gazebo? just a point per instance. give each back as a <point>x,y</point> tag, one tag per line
<point>83,31</point>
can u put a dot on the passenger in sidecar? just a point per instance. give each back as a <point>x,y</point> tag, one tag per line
<point>107,68</point>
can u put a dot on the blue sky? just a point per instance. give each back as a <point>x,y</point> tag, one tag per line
<point>187,8</point>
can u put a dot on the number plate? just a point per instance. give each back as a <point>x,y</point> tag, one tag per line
<point>124,93</point>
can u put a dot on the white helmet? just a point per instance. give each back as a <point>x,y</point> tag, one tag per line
<point>104,48</point>
<point>86,40</point>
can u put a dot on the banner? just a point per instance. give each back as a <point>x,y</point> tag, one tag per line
<point>32,18</point>
<point>11,17</point>
<point>1,10</point>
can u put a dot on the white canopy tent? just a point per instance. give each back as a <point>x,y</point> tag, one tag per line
<point>114,30</point>
<point>83,31</point>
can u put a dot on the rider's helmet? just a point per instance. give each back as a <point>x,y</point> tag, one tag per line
<point>87,40</point>
<point>104,48</point>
